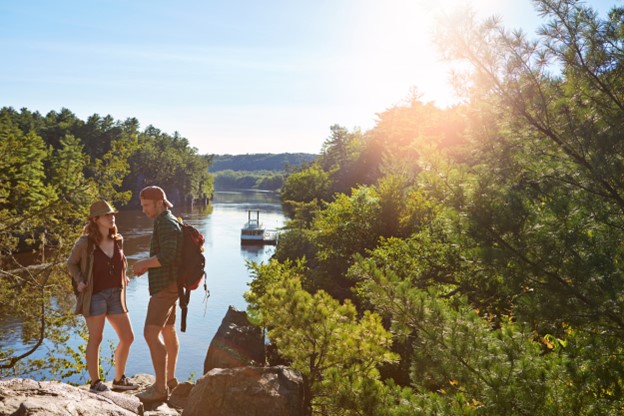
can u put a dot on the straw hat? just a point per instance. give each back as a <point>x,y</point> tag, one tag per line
<point>100,208</point>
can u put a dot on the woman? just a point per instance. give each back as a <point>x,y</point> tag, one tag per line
<point>98,266</point>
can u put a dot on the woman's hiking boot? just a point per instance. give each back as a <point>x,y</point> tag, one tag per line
<point>98,387</point>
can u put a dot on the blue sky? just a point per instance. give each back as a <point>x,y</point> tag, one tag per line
<point>232,76</point>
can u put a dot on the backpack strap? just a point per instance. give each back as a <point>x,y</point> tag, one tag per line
<point>184,294</point>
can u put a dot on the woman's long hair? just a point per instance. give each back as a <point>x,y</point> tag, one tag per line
<point>92,231</point>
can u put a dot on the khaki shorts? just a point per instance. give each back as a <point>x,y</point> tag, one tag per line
<point>161,309</point>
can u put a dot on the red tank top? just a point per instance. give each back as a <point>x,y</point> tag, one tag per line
<point>107,271</point>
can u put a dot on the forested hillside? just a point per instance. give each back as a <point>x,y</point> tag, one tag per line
<point>278,162</point>
<point>263,171</point>
<point>470,260</point>
<point>112,158</point>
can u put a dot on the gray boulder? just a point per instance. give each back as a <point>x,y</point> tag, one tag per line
<point>179,395</point>
<point>244,391</point>
<point>237,343</point>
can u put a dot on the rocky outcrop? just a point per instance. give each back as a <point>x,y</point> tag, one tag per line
<point>235,384</point>
<point>29,398</point>
<point>179,395</point>
<point>237,343</point>
<point>258,391</point>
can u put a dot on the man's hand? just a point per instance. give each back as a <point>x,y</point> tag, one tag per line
<point>81,286</point>
<point>142,266</point>
<point>139,267</point>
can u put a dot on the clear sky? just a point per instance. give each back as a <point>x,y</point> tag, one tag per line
<point>232,76</point>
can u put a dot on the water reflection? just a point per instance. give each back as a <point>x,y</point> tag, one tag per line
<point>253,251</point>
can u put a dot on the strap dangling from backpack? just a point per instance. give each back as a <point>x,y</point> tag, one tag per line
<point>183,319</point>
<point>184,297</point>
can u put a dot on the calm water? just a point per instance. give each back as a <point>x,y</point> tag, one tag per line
<point>226,268</point>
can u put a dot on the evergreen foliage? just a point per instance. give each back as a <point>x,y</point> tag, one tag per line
<point>486,236</point>
<point>336,351</point>
<point>171,163</point>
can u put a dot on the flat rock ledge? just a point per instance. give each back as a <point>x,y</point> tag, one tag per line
<point>25,397</point>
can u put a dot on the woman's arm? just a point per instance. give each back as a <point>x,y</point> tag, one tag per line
<point>73,261</point>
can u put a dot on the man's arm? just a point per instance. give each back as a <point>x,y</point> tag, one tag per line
<point>142,266</point>
<point>169,235</point>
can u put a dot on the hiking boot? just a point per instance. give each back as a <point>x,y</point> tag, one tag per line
<point>124,383</point>
<point>98,387</point>
<point>172,384</point>
<point>153,394</point>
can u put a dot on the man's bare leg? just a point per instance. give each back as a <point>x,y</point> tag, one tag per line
<point>158,351</point>
<point>172,345</point>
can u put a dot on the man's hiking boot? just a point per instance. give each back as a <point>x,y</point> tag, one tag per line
<point>98,387</point>
<point>153,394</point>
<point>124,384</point>
<point>172,384</point>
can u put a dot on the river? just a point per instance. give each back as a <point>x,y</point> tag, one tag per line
<point>227,276</point>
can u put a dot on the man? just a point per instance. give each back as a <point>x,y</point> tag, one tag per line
<point>162,268</point>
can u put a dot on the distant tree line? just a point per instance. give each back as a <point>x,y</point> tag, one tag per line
<point>255,171</point>
<point>260,161</point>
<point>261,180</point>
<point>469,260</point>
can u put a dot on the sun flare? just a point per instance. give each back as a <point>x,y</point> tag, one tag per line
<point>393,45</point>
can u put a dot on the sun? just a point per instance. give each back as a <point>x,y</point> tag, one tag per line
<point>394,51</point>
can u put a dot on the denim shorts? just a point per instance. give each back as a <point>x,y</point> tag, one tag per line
<point>107,301</point>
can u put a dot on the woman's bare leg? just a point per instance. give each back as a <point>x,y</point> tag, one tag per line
<point>95,325</point>
<point>123,328</point>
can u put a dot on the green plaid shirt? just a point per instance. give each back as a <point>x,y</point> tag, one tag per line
<point>166,244</point>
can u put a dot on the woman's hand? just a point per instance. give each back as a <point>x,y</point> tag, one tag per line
<point>81,286</point>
